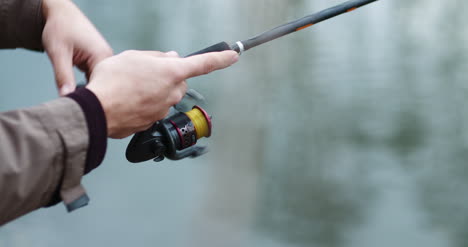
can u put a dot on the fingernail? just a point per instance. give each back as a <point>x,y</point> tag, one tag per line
<point>66,89</point>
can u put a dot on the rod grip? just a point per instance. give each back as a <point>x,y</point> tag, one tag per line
<point>222,46</point>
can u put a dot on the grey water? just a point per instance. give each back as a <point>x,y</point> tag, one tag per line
<point>351,133</point>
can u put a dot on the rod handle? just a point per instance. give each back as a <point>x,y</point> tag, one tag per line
<point>222,46</point>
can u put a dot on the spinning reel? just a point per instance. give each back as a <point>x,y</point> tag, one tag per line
<point>174,137</point>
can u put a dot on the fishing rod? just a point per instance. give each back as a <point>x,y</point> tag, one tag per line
<point>288,28</point>
<point>176,136</point>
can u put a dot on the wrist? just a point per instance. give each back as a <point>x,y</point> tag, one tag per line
<point>107,106</point>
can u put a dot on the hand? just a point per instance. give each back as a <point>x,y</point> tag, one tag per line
<point>70,39</point>
<point>137,88</point>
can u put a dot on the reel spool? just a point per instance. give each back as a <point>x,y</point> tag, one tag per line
<point>174,137</point>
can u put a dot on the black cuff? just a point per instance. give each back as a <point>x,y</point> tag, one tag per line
<point>97,126</point>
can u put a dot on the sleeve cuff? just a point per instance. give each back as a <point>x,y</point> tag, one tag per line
<point>21,23</point>
<point>31,23</point>
<point>97,126</point>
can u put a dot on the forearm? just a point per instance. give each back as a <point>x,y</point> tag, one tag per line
<point>21,24</point>
<point>45,152</point>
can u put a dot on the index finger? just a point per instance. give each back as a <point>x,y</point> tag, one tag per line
<point>206,63</point>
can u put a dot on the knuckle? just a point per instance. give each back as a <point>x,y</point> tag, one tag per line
<point>176,97</point>
<point>129,53</point>
<point>173,100</point>
<point>124,54</point>
<point>167,84</point>
<point>159,53</point>
<point>177,74</point>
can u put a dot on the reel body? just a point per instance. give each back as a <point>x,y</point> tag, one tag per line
<point>174,137</point>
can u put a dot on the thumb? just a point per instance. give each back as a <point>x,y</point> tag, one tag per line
<point>207,63</point>
<point>63,67</point>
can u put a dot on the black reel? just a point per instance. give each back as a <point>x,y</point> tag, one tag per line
<point>174,137</point>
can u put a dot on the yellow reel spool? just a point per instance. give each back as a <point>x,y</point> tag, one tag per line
<point>201,121</point>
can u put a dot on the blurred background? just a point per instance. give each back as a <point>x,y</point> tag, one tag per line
<point>351,133</point>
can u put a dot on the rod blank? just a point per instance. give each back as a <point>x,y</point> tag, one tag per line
<point>301,24</point>
<point>287,28</point>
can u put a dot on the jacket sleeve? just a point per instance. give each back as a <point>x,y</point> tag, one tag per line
<point>45,151</point>
<point>21,24</point>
